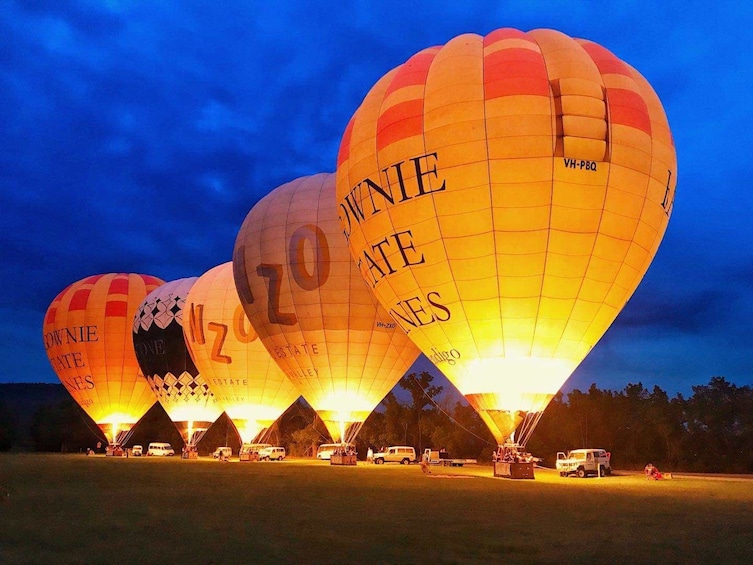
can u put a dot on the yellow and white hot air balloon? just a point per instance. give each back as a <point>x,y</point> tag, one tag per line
<point>239,370</point>
<point>307,301</point>
<point>87,336</point>
<point>503,196</point>
<point>164,359</point>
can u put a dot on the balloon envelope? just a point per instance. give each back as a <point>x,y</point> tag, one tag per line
<point>308,303</point>
<point>87,337</point>
<point>239,370</point>
<point>503,197</point>
<point>166,363</point>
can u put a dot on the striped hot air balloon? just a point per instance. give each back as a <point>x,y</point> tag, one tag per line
<point>87,337</point>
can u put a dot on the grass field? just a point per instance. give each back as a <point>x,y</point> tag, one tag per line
<point>77,509</point>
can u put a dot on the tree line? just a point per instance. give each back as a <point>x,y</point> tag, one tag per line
<point>710,431</point>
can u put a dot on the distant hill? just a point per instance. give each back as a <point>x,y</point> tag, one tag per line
<point>24,399</point>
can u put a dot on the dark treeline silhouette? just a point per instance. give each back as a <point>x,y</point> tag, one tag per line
<point>710,431</point>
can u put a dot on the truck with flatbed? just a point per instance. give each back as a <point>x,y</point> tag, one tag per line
<point>441,457</point>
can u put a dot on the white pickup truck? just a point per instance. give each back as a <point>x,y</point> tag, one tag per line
<point>584,462</point>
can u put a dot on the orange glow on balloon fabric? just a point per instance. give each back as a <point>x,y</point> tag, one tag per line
<point>239,370</point>
<point>307,301</point>
<point>503,197</point>
<point>87,337</point>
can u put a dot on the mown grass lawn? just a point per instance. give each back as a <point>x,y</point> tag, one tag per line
<point>78,509</point>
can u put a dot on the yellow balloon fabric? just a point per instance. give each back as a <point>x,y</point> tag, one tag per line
<point>503,196</point>
<point>87,336</point>
<point>163,356</point>
<point>307,301</point>
<point>239,370</point>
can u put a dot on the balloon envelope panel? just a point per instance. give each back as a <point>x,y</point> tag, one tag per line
<point>166,363</point>
<point>503,197</point>
<point>313,312</point>
<point>87,336</point>
<point>235,364</point>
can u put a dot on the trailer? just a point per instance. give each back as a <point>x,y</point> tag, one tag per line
<point>441,457</point>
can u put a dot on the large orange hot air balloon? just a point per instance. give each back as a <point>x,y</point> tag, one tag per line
<point>313,312</point>
<point>239,370</point>
<point>503,196</point>
<point>87,336</point>
<point>167,365</point>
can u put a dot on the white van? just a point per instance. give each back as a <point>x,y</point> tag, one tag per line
<point>250,451</point>
<point>248,448</point>
<point>158,449</point>
<point>326,450</point>
<point>223,452</point>
<point>272,453</point>
<point>402,454</point>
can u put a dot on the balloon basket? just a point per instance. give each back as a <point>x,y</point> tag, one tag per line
<point>510,470</point>
<point>249,456</point>
<point>115,451</point>
<point>343,460</point>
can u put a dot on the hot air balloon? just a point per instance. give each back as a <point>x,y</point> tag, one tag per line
<point>87,336</point>
<point>233,361</point>
<point>503,197</point>
<point>167,365</point>
<point>311,309</point>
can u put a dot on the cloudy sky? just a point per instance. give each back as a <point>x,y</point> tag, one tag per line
<point>135,137</point>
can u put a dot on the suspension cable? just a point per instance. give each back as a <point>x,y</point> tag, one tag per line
<point>449,416</point>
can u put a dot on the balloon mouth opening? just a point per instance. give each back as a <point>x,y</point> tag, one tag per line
<point>343,426</point>
<point>192,431</point>
<point>116,432</point>
<point>510,420</point>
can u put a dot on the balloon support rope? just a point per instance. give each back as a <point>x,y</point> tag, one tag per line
<point>449,417</point>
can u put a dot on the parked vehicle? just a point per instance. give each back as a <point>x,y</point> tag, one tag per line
<point>272,454</point>
<point>223,452</point>
<point>402,454</point>
<point>253,447</point>
<point>159,449</point>
<point>326,450</point>
<point>584,462</point>
<point>250,451</point>
<point>441,457</point>
<point>137,451</point>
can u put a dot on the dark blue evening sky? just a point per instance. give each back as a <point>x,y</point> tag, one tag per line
<point>135,137</point>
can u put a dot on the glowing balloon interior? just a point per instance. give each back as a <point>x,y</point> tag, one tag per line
<point>87,337</point>
<point>307,301</point>
<point>164,359</point>
<point>235,364</point>
<point>503,196</point>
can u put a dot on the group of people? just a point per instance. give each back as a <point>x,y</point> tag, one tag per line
<point>510,454</point>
